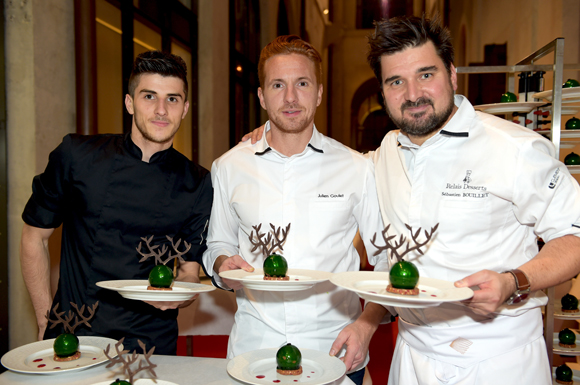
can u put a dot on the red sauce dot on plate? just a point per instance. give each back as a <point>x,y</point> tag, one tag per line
<point>260,376</point>
<point>373,292</point>
<point>94,358</point>
<point>57,367</point>
<point>423,291</point>
<point>433,295</point>
<point>37,360</point>
<point>41,365</point>
<point>296,279</point>
<point>276,381</point>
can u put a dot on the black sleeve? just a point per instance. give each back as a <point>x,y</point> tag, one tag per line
<point>196,228</point>
<point>45,207</point>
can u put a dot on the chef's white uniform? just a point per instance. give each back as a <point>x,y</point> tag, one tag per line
<point>493,187</point>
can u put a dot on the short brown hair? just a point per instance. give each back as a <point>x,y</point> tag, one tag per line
<point>160,63</point>
<point>286,45</point>
<point>399,33</point>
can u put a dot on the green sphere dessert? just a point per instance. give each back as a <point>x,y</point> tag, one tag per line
<point>66,347</point>
<point>160,278</point>
<point>567,338</point>
<point>275,268</point>
<point>571,83</point>
<point>120,382</point>
<point>572,159</point>
<point>564,374</point>
<point>403,278</point>
<point>508,97</point>
<point>573,124</point>
<point>569,304</point>
<point>288,359</point>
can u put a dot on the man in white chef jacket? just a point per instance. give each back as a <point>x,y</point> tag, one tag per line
<point>493,187</point>
<point>323,189</point>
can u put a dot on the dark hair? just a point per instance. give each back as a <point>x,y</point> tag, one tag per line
<point>157,62</point>
<point>285,45</point>
<point>394,35</point>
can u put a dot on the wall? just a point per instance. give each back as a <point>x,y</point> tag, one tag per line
<point>40,98</point>
<point>213,64</point>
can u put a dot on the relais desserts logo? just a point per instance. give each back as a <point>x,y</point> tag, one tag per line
<point>465,189</point>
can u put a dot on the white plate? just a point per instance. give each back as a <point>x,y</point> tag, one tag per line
<point>141,381</point>
<point>372,286</point>
<point>317,368</point>
<point>137,289</point>
<point>564,134</point>
<point>300,279</point>
<point>558,313</point>
<point>37,357</point>
<point>571,94</point>
<point>504,108</point>
<point>566,351</point>
<point>566,110</point>
<point>575,376</point>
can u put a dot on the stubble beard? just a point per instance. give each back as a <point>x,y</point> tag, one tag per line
<point>292,125</point>
<point>422,127</point>
<point>148,136</point>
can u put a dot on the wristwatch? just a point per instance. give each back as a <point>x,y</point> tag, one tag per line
<point>522,287</point>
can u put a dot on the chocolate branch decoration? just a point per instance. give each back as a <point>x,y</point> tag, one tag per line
<point>158,254</point>
<point>68,318</point>
<point>401,241</point>
<point>275,239</point>
<point>129,360</point>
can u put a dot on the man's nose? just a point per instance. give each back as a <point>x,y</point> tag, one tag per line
<point>413,91</point>
<point>161,108</point>
<point>291,94</point>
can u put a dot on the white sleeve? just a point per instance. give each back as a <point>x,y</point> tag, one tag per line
<point>223,225</point>
<point>368,216</point>
<point>546,196</point>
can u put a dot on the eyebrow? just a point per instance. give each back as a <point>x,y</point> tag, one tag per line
<point>146,91</point>
<point>420,70</point>
<point>283,81</point>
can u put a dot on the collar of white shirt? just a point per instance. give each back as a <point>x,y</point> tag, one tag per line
<point>315,143</point>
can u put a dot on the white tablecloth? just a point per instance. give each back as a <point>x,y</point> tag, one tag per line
<point>180,370</point>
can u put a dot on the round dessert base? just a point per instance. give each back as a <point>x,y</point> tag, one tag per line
<point>269,278</point>
<point>394,290</point>
<point>570,311</point>
<point>564,382</point>
<point>158,288</point>
<point>294,372</point>
<point>73,357</point>
<point>572,346</point>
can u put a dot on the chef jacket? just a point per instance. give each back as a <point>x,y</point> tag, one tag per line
<point>107,199</point>
<point>326,193</point>
<point>493,187</point>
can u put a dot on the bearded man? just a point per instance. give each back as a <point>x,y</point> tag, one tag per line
<point>493,187</point>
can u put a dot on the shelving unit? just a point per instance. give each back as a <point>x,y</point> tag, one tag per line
<point>555,132</point>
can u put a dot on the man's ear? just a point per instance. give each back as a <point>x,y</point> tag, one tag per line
<point>129,104</point>
<point>261,97</point>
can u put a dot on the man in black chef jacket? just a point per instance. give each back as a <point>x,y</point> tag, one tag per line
<point>109,192</point>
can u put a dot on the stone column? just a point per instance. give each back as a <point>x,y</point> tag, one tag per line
<point>213,56</point>
<point>40,78</point>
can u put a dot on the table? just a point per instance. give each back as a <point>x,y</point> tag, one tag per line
<point>180,370</point>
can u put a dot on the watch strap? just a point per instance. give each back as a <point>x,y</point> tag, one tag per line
<point>522,287</point>
<point>522,281</point>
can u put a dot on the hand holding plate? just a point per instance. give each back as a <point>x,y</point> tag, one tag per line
<point>224,263</point>
<point>495,289</point>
